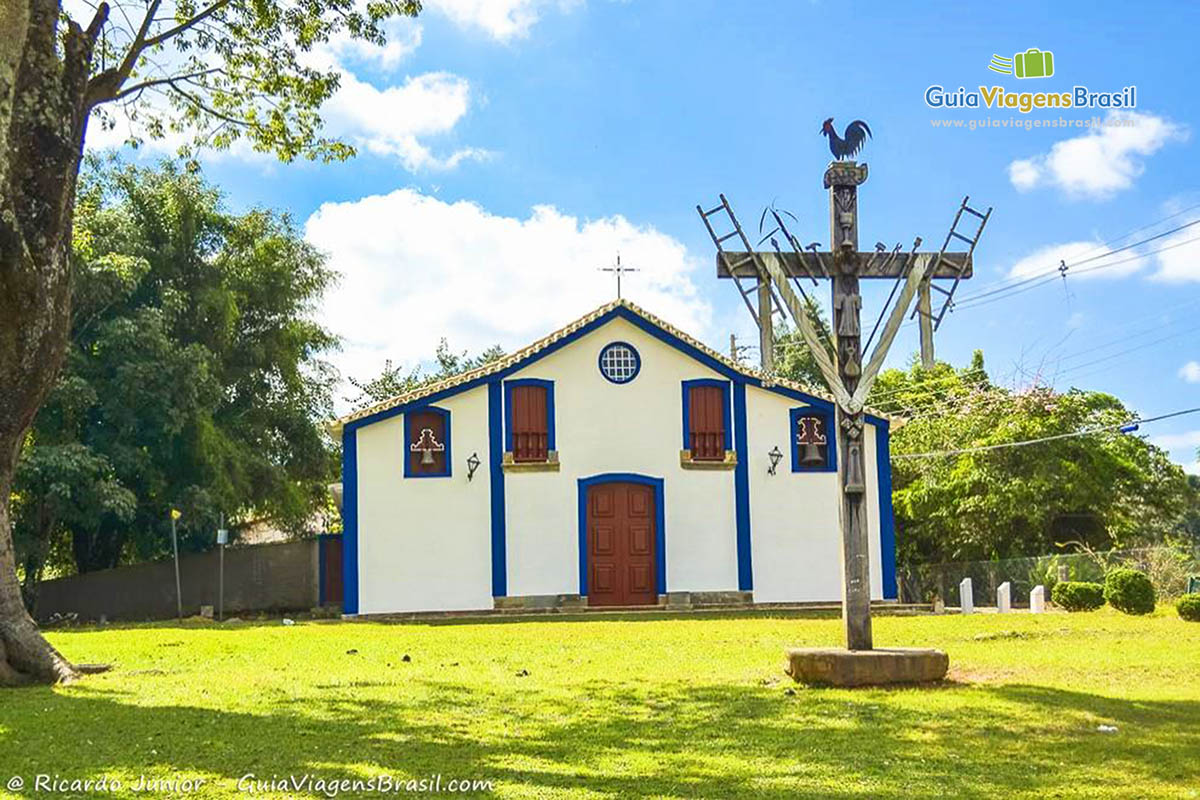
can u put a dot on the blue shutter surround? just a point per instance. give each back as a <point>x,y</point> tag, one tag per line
<point>409,438</point>
<point>827,416</point>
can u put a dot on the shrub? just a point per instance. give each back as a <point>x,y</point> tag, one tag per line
<point>1078,595</point>
<point>1189,607</point>
<point>1129,590</point>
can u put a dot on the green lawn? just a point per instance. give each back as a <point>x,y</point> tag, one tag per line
<point>682,707</point>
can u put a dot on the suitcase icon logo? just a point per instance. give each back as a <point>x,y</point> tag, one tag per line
<point>1033,63</point>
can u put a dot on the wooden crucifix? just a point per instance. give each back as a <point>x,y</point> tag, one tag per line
<point>848,378</point>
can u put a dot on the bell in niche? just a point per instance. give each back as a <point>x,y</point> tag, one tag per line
<point>426,445</point>
<point>810,435</point>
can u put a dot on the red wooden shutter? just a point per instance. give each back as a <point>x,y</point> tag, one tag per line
<point>706,422</point>
<point>530,424</point>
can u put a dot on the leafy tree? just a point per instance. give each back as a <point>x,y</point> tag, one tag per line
<point>1104,489</point>
<point>59,487</point>
<point>193,378</point>
<point>393,381</point>
<point>228,70</point>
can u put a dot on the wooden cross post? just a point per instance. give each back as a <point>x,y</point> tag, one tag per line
<point>843,179</point>
<point>848,378</point>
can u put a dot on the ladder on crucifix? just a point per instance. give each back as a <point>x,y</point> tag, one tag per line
<point>748,286</point>
<point>940,260</point>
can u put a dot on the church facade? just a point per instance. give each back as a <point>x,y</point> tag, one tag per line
<point>617,462</point>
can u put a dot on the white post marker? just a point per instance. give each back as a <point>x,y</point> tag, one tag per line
<point>966,596</point>
<point>1037,600</point>
<point>1004,598</point>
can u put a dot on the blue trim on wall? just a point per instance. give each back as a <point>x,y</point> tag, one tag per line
<point>408,440</point>
<point>508,387</point>
<point>741,488</point>
<point>637,362</point>
<point>620,312</point>
<point>660,524</point>
<point>831,462</point>
<point>349,521</point>
<point>725,412</point>
<point>887,517</point>
<point>496,466</point>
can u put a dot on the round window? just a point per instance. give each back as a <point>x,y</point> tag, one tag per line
<point>619,362</point>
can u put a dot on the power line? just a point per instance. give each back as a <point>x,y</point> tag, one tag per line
<point>1055,271</point>
<point>1048,277</point>
<point>1087,432</point>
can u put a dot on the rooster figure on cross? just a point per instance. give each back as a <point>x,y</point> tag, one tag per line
<point>847,145</point>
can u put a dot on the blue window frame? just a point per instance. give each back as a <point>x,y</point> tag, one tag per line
<point>725,409</point>
<point>826,427</point>
<point>416,443</point>
<point>619,362</point>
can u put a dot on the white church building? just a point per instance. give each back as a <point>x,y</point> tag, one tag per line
<point>616,462</point>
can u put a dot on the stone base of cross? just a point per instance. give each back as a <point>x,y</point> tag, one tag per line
<point>845,373</point>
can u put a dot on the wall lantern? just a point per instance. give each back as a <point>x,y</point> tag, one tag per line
<point>472,465</point>
<point>775,456</point>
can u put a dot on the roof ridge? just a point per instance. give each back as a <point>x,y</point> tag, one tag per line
<point>517,356</point>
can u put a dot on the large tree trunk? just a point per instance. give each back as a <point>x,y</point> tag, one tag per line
<point>43,119</point>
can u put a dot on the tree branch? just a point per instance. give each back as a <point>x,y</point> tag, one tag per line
<point>183,26</point>
<point>137,87</point>
<point>206,109</point>
<point>104,86</point>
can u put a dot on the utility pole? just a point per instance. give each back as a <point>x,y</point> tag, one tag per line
<point>222,540</point>
<point>175,546</point>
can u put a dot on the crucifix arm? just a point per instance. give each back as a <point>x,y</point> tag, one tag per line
<point>915,276</point>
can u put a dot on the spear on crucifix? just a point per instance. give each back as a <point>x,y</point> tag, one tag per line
<point>768,278</point>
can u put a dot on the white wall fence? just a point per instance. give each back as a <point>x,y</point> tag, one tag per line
<point>1168,568</point>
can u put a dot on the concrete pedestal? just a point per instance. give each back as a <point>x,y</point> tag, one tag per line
<point>833,666</point>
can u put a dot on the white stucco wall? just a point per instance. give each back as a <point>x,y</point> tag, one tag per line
<point>795,539</point>
<point>602,427</point>
<point>424,544</point>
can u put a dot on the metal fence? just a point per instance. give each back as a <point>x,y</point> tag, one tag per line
<point>1168,568</point>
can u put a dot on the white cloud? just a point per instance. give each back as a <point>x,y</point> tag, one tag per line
<point>1101,162</point>
<point>403,38</point>
<point>1048,258</point>
<point>1182,448</point>
<point>1179,257</point>
<point>393,121</point>
<point>415,269</point>
<point>503,20</point>
<point>1190,372</point>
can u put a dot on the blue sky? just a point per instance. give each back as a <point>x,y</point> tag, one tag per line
<point>509,148</point>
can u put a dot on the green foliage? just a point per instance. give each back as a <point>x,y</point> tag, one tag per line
<point>793,359</point>
<point>394,381</point>
<point>194,376</point>
<point>1188,607</point>
<point>215,74</point>
<point>1105,490</point>
<point>1129,590</point>
<point>1078,595</point>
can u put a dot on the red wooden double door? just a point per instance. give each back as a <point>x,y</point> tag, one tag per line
<point>621,539</point>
